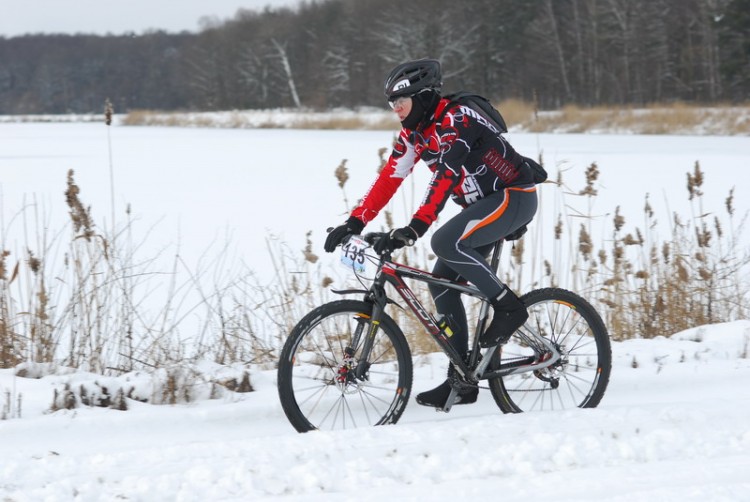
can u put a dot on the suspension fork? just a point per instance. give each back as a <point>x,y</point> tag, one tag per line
<point>379,300</point>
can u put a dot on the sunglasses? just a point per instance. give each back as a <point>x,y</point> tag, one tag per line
<point>400,101</point>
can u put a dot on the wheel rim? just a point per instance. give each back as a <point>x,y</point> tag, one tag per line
<point>568,383</point>
<point>334,391</point>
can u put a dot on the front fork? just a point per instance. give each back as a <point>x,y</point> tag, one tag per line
<point>378,298</point>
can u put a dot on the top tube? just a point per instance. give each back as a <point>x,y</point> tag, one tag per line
<point>497,250</point>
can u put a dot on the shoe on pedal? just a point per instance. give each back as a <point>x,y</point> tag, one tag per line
<point>437,397</point>
<point>509,314</point>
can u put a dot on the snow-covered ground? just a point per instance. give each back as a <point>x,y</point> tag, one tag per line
<point>673,426</point>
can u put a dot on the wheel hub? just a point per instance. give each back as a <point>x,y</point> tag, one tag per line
<point>349,374</point>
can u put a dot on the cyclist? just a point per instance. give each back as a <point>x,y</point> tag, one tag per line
<point>473,164</point>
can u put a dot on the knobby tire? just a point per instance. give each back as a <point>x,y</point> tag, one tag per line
<point>579,379</point>
<point>316,387</point>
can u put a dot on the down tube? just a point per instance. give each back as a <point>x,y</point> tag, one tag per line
<point>427,319</point>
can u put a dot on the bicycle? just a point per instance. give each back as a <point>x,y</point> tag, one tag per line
<point>348,364</point>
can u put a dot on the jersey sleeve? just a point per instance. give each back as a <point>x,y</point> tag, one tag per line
<point>452,139</point>
<point>399,165</point>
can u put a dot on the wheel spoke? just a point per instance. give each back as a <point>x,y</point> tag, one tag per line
<point>321,389</point>
<point>576,331</point>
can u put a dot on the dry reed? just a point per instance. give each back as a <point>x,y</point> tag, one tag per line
<point>674,118</point>
<point>88,314</point>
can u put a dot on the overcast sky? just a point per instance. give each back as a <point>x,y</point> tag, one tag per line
<point>18,17</point>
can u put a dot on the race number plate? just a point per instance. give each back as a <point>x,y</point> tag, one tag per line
<point>353,254</point>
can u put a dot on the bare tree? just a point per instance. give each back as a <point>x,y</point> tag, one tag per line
<point>253,74</point>
<point>284,60</point>
<point>204,78</point>
<point>557,43</point>
<point>336,52</point>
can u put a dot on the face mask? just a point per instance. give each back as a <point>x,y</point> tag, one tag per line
<point>415,115</point>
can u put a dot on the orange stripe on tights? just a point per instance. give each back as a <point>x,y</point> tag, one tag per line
<point>497,213</point>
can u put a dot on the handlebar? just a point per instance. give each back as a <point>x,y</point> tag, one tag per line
<point>372,237</point>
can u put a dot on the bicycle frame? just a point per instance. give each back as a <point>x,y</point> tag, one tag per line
<point>395,273</point>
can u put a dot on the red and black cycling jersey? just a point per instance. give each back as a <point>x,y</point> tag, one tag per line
<point>467,155</point>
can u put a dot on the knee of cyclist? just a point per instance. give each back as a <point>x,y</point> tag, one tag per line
<point>440,245</point>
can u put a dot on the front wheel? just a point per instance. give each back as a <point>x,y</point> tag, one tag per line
<point>325,383</point>
<point>577,332</point>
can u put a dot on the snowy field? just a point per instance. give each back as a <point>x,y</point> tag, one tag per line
<point>199,191</point>
<point>675,427</point>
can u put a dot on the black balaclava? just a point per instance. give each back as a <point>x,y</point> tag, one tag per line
<point>423,106</point>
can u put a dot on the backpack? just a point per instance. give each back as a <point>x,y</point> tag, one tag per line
<point>479,104</point>
<point>540,174</point>
<point>483,107</point>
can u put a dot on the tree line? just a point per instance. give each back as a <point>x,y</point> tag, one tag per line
<point>332,53</point>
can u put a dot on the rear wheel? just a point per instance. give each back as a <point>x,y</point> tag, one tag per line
<point>578,379</point>
<point>323,381</point>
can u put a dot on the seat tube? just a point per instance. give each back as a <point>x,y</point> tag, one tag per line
<point>485,307</point>
<point>496,252</point>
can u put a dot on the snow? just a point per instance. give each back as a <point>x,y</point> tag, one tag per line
<point>234,187</point>
<point>672,426</point>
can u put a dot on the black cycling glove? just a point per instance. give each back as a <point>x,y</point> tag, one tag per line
<point>405,236</point>
<point>338,234</point>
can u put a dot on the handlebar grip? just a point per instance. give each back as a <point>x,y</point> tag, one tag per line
<point>373,237</point>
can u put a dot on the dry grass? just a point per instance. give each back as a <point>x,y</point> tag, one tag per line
<point>146,118</point>
<point>263,120</point>
<point>387,122</point>
<point>646,285</point>
<point>677,118</point>
<point>643,286</point>
<point>516,112</point>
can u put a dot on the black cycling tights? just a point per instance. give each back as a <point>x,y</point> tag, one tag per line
<point>463,244</point>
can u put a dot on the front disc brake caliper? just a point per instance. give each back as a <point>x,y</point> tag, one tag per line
<point>344,371</point>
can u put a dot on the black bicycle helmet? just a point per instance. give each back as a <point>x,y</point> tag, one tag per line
<point>411,77</point>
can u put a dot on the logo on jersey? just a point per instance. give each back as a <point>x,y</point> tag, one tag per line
<point>471,190</point>
<point>447,138</point>
<point>479,118</point>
